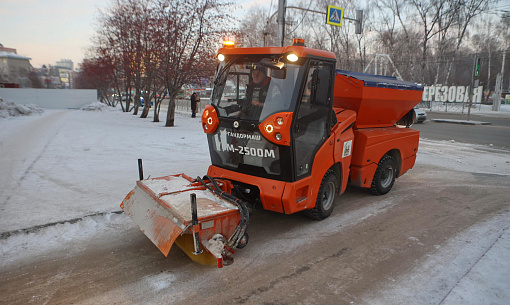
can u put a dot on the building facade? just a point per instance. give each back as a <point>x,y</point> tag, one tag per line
<point>14,68</point>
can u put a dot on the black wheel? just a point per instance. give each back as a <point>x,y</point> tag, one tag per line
<point>384,176</point>
<point>325,198</point>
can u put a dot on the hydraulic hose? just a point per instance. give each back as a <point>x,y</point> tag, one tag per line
<point>240,230</point>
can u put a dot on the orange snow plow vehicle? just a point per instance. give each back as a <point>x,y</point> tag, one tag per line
<point>287,132</point>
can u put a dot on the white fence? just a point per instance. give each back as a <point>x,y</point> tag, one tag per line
<point>185,105</point>
<point>50,98</point>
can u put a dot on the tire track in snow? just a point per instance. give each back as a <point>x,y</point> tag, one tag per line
<point>27,139</point>
<point>34,229</point>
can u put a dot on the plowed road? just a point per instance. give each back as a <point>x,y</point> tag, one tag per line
<point>416,245</point>
<point>362,249</point>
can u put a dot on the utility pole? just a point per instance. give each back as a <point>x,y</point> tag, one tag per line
<point>282,6</point>
<point>281,21</point>
<point>474,83</point>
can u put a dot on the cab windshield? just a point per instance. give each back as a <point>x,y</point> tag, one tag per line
<point>254,87</point>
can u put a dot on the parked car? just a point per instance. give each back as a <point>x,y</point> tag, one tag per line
<point>421,115</point>
<point>142,102</point>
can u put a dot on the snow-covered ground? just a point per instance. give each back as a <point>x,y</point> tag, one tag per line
<point>478,109</point>
<point>63,165</point>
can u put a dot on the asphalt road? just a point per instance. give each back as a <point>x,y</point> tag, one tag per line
<point>367,243</point>
<point>497,134</point>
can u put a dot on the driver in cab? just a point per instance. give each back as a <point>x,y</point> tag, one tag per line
<point>256,90</point>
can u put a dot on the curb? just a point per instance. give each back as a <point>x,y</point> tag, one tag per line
<point>464,122</point>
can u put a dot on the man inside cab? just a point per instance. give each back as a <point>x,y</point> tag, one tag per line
<point>256,91</point>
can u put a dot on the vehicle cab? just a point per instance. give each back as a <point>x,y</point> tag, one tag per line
<point>271,125</point>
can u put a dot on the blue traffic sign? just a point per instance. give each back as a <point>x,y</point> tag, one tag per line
<point>335,15</point>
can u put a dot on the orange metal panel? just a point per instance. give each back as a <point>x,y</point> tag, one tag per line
<point>322,162</point>
<point>298,196</point>
<point>375,106</point>
<point>407,164</point>
<point>298,50</point>
<point>344,142</point>
<point>155,222</point>
<point>371,145</point>
<point>362,176</point>
<point>161,208</point>
<point>270,190</point>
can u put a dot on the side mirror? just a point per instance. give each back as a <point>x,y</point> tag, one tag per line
<point>321,79</point>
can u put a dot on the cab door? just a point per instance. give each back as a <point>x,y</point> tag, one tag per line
<point>312,124</point>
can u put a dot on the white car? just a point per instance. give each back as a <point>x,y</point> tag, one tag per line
<point>421,115</point>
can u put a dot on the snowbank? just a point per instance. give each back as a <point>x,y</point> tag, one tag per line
<point>96,106</point>
<point>11,109</point>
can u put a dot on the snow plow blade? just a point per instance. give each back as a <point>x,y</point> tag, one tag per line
<point>190,213</point>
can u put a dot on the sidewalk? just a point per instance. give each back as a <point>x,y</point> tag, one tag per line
<point>465,122</point>
<point>477,115</point>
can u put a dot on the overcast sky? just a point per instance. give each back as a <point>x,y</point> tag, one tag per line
<point>50,30</point>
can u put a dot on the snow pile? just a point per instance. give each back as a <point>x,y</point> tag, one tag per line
<point>11,109</point>
<point>96,106</point>
<point>67,235</point>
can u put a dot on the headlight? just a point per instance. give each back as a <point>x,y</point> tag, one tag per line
<point>292,57</point>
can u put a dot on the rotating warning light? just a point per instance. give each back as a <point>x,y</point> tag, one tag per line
<point>221,57</point>
<point>292,57</point>
<point>228,44</point>
<point>298,42</point>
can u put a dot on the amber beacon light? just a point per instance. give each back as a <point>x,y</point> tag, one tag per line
<point>228,44</point>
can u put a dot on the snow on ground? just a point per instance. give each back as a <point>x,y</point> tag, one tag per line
<point>11,109</point>
<point>463,157</point>
<point>66,164</point>
<point>485,282</point>
<point>478,109</point>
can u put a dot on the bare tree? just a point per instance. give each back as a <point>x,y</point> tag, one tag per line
<point>397,37</point>
<point>430,13</point>
<point>191,30</point>
<point>254,29</point>
<point>98,73</point>
<point>468,9</point>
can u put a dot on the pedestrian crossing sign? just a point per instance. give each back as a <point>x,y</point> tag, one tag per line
<point>335,15</point>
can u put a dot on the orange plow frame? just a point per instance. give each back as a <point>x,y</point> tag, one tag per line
<point>161,208</point>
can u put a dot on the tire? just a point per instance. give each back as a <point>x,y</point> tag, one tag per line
<point>325,201</point>
<point>384,176</point>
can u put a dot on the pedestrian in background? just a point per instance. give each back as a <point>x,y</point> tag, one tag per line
<point>194,100</point>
